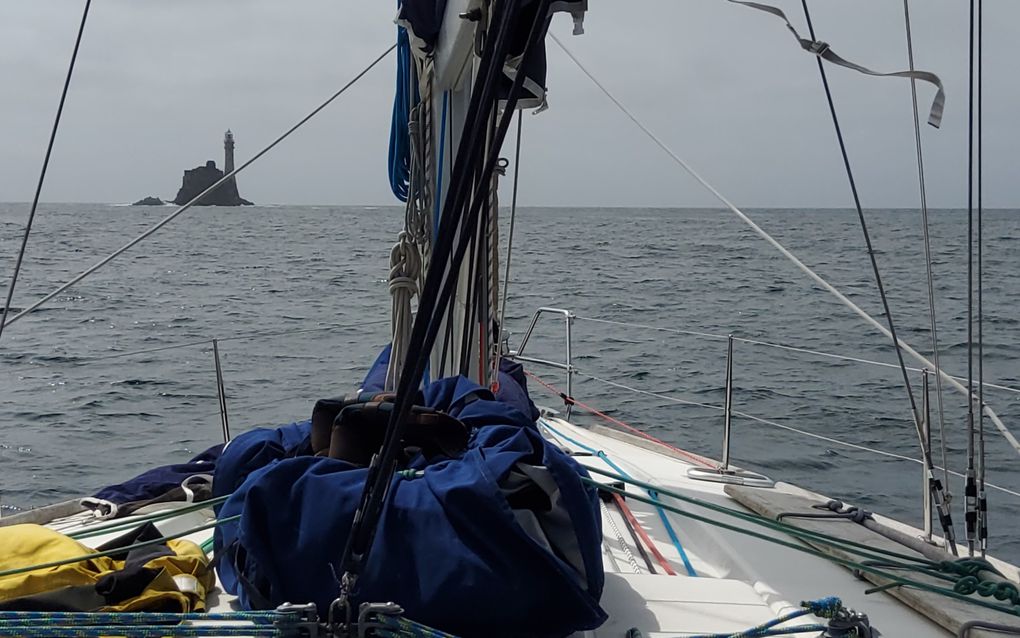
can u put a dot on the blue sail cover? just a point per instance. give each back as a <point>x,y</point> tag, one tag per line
<point>501,541</point>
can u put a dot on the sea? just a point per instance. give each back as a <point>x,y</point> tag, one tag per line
<point>117,375</point>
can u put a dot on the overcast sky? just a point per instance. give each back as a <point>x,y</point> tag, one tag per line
<point>727,87</point>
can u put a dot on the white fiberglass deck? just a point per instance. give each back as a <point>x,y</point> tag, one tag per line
<point>740,581</point>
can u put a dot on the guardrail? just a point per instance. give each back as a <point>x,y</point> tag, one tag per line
<point>725,473</point>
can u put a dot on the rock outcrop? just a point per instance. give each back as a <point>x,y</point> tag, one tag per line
<point>198,179</point>
<point>149,201</point>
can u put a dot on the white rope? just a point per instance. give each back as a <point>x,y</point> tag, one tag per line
<point>820,437</point>
<point>409,256</point>
<point>405,271</point>
<point>169,218</point>
<point>1013,442</point>
<point>624,546</point>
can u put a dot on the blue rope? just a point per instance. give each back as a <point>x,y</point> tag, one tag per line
<point>9,618</point>
<point>138,631</point>
<point>44,624</point>
<point>399,627</point>
<point>655,497</point>
<point>439,169</point>
<point>823,608</point>
<point>405,98</point>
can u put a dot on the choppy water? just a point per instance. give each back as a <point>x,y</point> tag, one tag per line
<point>78,410</point>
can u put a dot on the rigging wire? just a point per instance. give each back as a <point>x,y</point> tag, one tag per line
<point>970,486</point>
<point>45,166</point>
<point>982,502</point>
<point>509,242</point>
<point>818,279</point>
<point>166,220</point>
<point>939,394</point>
<point>864,229</point>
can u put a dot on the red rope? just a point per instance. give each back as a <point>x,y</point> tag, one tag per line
<point>632,521</point>
<point>571,400</point>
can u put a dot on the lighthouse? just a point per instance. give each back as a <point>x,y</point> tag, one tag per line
<point>228,152</point>
<point>198,180</point>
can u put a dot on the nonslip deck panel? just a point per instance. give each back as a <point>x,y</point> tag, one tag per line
<point>679,606</point>
<point>947,612</point>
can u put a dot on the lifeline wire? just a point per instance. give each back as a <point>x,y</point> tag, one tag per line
<point>1013,442</point>
<point>751,417</point>
<point>779,346</point>
<point>99,264</point>
<point>46,164</point>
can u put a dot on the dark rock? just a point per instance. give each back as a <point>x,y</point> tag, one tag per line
<point>198,179</point>
<point>149,201</point>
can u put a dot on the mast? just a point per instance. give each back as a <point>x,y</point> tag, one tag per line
<point>464,94</point>
<point>454,81</point>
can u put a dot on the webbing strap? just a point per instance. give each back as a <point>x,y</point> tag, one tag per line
<point>822,50</point>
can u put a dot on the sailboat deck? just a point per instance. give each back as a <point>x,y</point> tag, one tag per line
<point>739,582</point>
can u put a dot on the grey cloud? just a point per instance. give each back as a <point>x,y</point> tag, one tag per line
<point>726,86</point>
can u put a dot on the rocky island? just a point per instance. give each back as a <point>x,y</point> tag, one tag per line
<point>198,179</point>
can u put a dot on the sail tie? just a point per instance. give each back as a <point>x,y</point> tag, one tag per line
<point>825,52</point>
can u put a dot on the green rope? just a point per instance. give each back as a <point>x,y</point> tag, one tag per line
<point>767,522</point>
<point>116,526</point>
<point>400,627</point>
<point>951,593</point>
<point>119,550</point>
<point>969,569</point>
<point>79,618</point>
